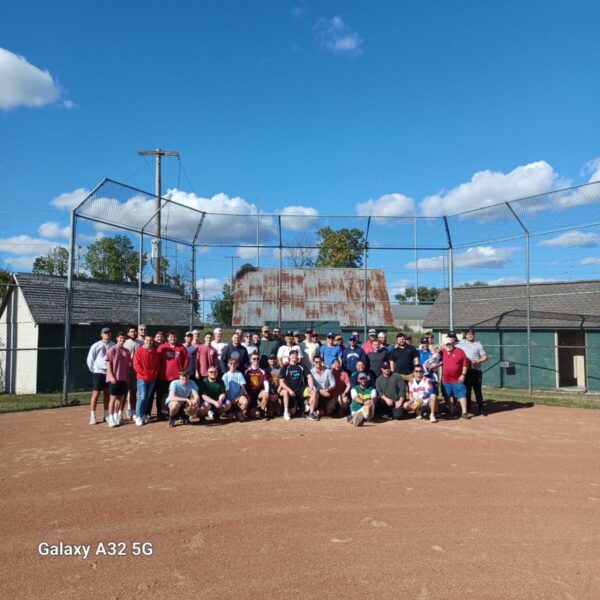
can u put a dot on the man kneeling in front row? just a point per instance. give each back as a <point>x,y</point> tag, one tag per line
<point>184,400</point>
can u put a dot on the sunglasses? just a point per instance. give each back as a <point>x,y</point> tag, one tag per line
<point>417,371</point>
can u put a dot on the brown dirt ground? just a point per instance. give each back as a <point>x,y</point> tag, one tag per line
<point>503,507</point>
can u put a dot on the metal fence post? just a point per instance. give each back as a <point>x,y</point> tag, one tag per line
<point>365,291</point>
<point>140,273</point>
<point>279,275</point>
<point>68,315</point>
<point>450,277</point>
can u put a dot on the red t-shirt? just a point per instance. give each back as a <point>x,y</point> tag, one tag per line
<point>206,356</point>
<point>172,360</point>
<point>146,363</point>
<point>341,381</point>
<point>453,364</point>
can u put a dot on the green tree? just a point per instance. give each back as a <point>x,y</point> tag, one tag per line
<point>56,262</point>
<point>341,248</point>
<point>113,259</point>
<point>222,308</point>
<point>4,277</point>
<point>425,294</point>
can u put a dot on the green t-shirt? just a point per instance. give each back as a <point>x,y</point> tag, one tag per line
<point>212,389</point>
<point>393,386</point>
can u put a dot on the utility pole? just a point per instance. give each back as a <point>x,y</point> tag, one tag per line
<point>158,154</point>
<point>231,258</point>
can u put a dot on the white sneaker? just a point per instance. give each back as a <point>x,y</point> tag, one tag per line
<point>432,418</point>
<point>139,421</point>
<point>111,422</point>
<point>358,418</point>
<point>92,418</point>
<point>129,414</point>
<point>286,416</point>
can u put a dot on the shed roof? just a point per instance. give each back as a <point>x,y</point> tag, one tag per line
<point>311,295</point>
<point>563,305</point>
<point>100,301</point>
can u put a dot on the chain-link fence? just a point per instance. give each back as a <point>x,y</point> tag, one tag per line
<point>523,274</point>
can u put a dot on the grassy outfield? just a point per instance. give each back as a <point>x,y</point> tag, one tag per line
<point>19,402</point>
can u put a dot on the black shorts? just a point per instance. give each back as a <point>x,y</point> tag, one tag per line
<point>99,382</point>
<point>118,389</point>
<point>162,388</point>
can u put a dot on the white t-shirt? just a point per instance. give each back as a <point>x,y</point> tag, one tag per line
<point>473,350</point>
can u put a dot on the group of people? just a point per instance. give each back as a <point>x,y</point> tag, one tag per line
<point>263,375</point>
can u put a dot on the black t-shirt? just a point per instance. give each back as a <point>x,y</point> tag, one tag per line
<point>375,360</point>
<point>404,357</point>
<point>294,377</point>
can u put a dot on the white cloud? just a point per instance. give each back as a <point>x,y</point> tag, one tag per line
<point>22,84</point>
<point>334,35</point>
<point>298,218</point>
<point>472,258</point>
<point>249,253</point>
<point>399,286</point>
<point>19,251</point>
<point>487,188</point>
<point>51,229</point>
<point>518,280</point>
<point>591,260</point>
<point>573,238</point>
<point>209,287</point>
<point>69,200</point>
<point>388,205</point>
<point>592,168</point>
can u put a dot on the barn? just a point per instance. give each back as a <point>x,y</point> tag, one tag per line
<point>565,332</point>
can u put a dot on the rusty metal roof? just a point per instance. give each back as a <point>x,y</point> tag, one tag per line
<point>312,295</point>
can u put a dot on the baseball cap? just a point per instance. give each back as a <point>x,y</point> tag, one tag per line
<point>400,334</point>
<point>330,334</point>
<point>448,340</point>
<point>424,340</point>
<point>271,356</point>
<point>294,352</point>
<point>195,331</point>
<point>351,337</point>
<point>296,333</point>
<point>188,333</point>
<point>264,328</point>
<point>452,333</point>
<point>218,330</point>
<point>309,330</point>
<point>105,330</point>
<point>372,331</point>
<point>385,364</point>
<point>362,376</point>
<point>289,333</point>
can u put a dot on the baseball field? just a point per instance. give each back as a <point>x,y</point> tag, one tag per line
<point>506,506</point>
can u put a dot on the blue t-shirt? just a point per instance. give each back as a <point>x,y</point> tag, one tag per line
<point>182,391</point>
<point>233,383</point>
<point>330,353</point>
<point>424,356</point>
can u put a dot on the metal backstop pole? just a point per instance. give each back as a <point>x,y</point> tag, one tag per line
<point>140,273</point>
<point>450,277</point>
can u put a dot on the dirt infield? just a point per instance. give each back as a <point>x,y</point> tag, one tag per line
<point>506,506</point>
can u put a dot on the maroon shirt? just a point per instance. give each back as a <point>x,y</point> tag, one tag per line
<point>206,356</point>
<point>172,360</point>
<point>453,364</point>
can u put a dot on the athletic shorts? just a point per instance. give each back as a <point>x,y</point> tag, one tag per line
<point>455,390</point>
<point>99,382</point>
<point>118,389</point>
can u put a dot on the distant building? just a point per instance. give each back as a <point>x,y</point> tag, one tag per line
<point>32,317</point>
<point>565,331</point>
<point>410,315</point>
<point>312,297</point>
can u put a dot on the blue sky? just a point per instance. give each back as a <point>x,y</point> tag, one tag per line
<point>337,107</point>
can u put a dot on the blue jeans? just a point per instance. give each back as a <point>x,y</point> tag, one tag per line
<point>144,393</point>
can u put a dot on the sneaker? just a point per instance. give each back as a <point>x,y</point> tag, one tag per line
<point>216,417</point>
<point>171,422</point>
<point>139,421</point>
<point>483,411</point>
<point>129,414</point>
<point>146,419</point>
<point>160,417</point>
<point>105,417</point>
<point>432,418</point>
<point>358,419</point>
<point>92,418</point>
<point>286,416</point>
<point>466,415</point>
<point>109,421</point>
<point>313,416</point>
<point>241,417</point>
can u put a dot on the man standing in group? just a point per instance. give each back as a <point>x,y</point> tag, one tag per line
<point>219,343</point>
<point>391,390</point>
<point>173,359</point>
<point>309,350</point>
<point>376,358</point>
<point>367,345</point>
<point>330,351</point>
<point>477,356</point>
<point>266,347</point>
<point>96,362</point>
<point>118,361</point>
<point>404,357</point>
<point>132,344</point>
<point>237,351</point>
<point>284,351</point>
<point>352,354</point>
<point>191,349</point>
<point>206,356</point>
<point>382,337</point>
<point>142,330</point>
<point>146,364</point>
<point>454,370</point>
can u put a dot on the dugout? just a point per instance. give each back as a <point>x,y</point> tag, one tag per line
<point>564,324</point>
